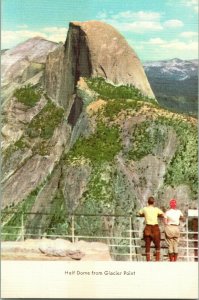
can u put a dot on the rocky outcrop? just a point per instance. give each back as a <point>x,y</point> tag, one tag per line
<point>76,63</point>
<point>16,117</point>
<point>53,72</point>
<point>43,249</point>
<point>28,157</point>
<point>77,179</point>
<point>30,175</point>
<point>24,64</point>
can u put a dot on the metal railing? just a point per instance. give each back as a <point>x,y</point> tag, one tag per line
<point>129,245</point>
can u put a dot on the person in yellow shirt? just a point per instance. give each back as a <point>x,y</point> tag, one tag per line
<point>151,230</point>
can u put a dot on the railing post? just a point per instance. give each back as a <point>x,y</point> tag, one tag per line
<point>22,227</point>
<point>73,229</point>
<point>40,234</point>
<point>187,244</point>
<point>130,238</point>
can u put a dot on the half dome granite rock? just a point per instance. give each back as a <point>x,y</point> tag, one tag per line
<point>110,56</point>
<point>92,49</point>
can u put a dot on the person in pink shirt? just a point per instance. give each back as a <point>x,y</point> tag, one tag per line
<point>172,219</point>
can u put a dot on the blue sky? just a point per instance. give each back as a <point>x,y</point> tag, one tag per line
<point>156,29</point>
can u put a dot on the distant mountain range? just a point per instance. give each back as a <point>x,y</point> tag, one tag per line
<point>175,83</point>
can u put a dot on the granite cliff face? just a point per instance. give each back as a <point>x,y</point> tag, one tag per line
<point>88,138</point>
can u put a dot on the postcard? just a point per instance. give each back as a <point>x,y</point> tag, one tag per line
<point>99,181</point>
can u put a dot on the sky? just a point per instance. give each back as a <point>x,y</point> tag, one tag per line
<point>155,29</point>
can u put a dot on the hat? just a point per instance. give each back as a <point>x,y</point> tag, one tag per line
<point>172,203</point>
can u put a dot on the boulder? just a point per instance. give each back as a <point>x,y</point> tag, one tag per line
<point>58,248</point>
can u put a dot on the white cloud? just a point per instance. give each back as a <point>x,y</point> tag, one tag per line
<point>192,3</point>
<point>173,44</point>
<point>189,34</point>
<point>138,16</point>
<point>102,15</point>
<point>24,26</point>
<point>56,34</point>
<point>136,27</point>
<point>136,22</point>
<point>11,38</point>
<point>156,41</point>
<point>55,29</point>
<point>181,46</point>
<point>158,48</point>
<point>173,23</point>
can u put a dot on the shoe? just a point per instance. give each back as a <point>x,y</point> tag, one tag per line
<point>148,257</point>
<point>157,257</point>
<point>175,256</point>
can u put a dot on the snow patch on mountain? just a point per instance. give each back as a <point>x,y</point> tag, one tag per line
<point>175,68</point>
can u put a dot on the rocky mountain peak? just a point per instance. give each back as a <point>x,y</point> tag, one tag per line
<point>23,62</point>
<point>33,48</point>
